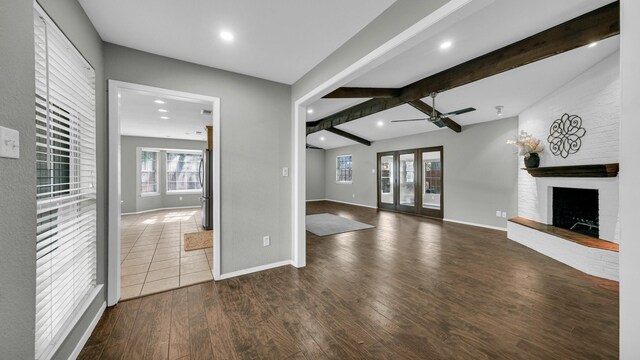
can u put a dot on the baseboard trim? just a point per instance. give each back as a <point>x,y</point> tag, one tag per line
<point>160,209</point>
<point>85,337</point>
<point>255,269</point>
<point>476,224</point>
<point>344,202</point>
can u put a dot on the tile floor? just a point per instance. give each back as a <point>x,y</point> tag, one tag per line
<point>153,256</point>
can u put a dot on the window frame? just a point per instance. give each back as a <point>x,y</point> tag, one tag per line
<point>350,169</point>
<point>166,171</point>
<point>157,171</point>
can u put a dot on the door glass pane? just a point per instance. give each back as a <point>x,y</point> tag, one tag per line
<point>407,175</point>
<point>386,179</point>
<point>432,178</point>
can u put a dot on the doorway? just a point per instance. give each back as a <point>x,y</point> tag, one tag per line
<point>163,204</point>
<point>412,181</point>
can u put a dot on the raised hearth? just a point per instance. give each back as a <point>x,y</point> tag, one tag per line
<point>590,255</point>
<point>568,235</point>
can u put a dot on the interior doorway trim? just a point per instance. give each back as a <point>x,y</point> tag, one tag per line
<point>449,13</point>
<point>115,189</point>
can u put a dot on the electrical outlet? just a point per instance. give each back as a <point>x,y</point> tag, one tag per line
<point>504,214</point>
<point>9,143</point>
<point>266,240</point>
<point>498,213</point>
<point>353,196</point>
<point>180,198</point>
<point>285,171</point>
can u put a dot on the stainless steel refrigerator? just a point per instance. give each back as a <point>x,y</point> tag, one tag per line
<point>206,182</point>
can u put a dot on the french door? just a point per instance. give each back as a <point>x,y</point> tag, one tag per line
<point>412,181</point>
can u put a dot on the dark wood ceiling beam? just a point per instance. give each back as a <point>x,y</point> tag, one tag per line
<point>361,110</point>
<point>428,110</point>
<point>349,136</point>
<point>355,92</point>
<point>593,26</point>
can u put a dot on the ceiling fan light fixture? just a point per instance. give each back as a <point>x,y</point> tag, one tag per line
<point>499,110</point>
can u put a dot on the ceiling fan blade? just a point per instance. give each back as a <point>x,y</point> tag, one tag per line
<point>458,112</point>
<point>409,120</point>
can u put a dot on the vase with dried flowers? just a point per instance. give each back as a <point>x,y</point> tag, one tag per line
<point>529,147</point>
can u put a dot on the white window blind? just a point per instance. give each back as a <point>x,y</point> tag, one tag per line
<point>183,171</point>
<point>148,172</point>
<point>66,176</point>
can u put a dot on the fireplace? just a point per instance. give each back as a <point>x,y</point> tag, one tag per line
<point>576,210</point>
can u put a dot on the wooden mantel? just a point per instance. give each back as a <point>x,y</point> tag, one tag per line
<point>599,170</point>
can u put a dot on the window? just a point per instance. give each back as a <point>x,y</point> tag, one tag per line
<point>343,169</point>
<point>432,176</point>
<point>148,172</point>
<point>183,171</point>
<point>65,187</point>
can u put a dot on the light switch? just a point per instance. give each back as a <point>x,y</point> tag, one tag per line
<point>9,143</point>
<point>285,171</point>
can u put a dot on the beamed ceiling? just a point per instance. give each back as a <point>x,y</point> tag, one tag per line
<point>513,74</point>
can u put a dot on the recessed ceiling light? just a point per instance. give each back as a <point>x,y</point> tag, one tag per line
<point>380,123</point>
<point>226,35</point>
<point>163,110</point>
<point>322,138</point>
<point>158,101</point>
<point>309,111</point>
<point>445,45</point>
<point>164,117</point>
<point>593,44</point>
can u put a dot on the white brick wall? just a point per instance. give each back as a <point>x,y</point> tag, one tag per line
<point>595,97</point>
<point>596,262</point>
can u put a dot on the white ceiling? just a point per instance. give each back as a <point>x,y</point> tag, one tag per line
<point>139,116</point>
<point>279,40</point>
<point>502,22</point>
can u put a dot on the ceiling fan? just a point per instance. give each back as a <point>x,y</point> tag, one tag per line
<point>435,118</point>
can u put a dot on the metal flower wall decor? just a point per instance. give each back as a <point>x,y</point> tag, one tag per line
<point>565,136</point>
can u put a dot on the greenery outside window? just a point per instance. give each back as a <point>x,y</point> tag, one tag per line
<point>183,172</point>
<point>149,172</point>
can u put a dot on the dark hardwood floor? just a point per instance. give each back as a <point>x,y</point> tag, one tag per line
<point>411,288</point>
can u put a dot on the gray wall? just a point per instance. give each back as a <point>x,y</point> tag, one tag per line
<point>132,202</point>
<point>397,18</point>
<point>255,145</point>
<point>480,171</point>
<point>17,188</point>
<point>315,174</point>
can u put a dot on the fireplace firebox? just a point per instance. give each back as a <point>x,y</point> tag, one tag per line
<point>576,210</point>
